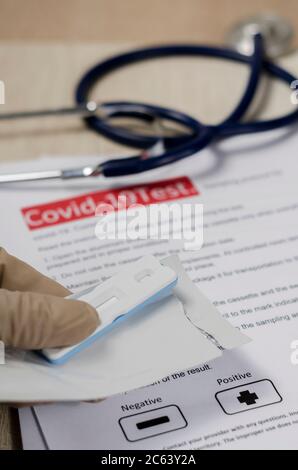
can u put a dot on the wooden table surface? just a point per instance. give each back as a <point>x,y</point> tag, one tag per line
<point>45,46</point>
<point>131,20</point>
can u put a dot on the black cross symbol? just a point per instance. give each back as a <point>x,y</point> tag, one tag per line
<point>248,398</point>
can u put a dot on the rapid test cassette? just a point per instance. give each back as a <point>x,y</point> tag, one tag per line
<point>123,295</point>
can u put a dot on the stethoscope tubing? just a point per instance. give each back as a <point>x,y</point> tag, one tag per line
<point>200,135</point>
<point>94,75</point>
<point>158,150</point>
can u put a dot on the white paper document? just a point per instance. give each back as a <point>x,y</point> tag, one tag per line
<point>139,351</point>
<point>246,399</point>
<point>247,268</point>
<point>32,437</point>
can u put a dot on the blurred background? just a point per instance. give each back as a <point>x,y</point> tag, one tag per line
<point>46,46</point>
<point>131,20</point>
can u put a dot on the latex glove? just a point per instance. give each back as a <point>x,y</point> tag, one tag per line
<point>33,312</point>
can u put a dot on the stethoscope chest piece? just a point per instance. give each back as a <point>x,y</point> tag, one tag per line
<point>276,32</point>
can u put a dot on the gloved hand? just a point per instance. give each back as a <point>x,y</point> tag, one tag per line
<point>33,312</point>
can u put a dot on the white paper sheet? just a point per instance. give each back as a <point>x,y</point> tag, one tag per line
<point>138,352</point>
<point>201,405</point>
<point>247,267</point>
<point>32,438</point>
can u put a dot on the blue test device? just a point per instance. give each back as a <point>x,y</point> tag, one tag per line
<point>119,298</point>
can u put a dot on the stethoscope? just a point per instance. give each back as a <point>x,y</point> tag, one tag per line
<point>252,38</point>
